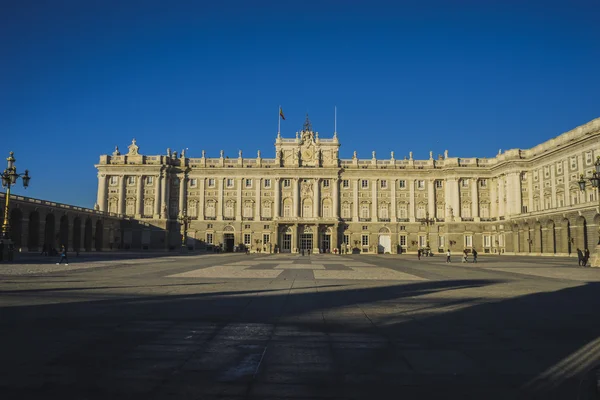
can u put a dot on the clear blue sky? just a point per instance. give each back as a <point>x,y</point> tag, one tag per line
<point>79,77</point>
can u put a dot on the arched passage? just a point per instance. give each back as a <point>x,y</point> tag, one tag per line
<point>538,244</point>
<point>566,236</point>
<point>550,245</point>
<point>76,234</point>
<point>98,234</point>
<point>63,235</point>
<point>33,231</point>
<point>581,234</point>
<point>49,229</point>
<point>16,227</point>
<point>87,235</point>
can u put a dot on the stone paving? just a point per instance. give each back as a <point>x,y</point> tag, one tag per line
<point>236,326</point>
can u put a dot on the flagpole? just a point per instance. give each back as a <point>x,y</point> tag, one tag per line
<point>279,121</point>
<point>335,121</point>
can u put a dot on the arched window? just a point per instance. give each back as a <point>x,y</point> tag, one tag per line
<point>307,209</point>
<point>192,208</point>
<point>384,210</point>
<point>287,208</point>
<point>364,210</point>
<point>326,208</point>
<point>211,209</point>
<point>148,207</point>
<point>421,211</point>
<point>440,211</point>
<point>130,206</point>
<point>346,207</point>
<point>484,210</point>
<point>466,210</point>
<point>266,210</point>
<point>403,210</point>
<point>248,208</point>
<point>229,209</point>
<point>113,205</point>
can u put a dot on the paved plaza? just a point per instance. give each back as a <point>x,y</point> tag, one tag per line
<point>237,326</point>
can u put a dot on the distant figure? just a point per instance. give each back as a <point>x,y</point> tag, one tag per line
<point>419,254</point>
<point>465,255</point>
<point>448,256</point>
<point>474,256</point>
<point>63,255</point>
<point>580,257</point>
<point>586,256</point>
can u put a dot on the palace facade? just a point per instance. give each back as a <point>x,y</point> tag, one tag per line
<point>519,202</point>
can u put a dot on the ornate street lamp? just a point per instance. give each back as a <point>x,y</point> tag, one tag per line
<point>9,178</point>
<point>428,221</point>
<point>184,220</point>
<point>595,181</point>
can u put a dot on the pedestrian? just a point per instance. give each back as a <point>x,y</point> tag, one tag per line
<point>586,256</point>
<point>474,256</point>
<point>448,256</point>
<point>419,254</point>
<point>465,254</point>
<point>580,257</point>
<point>63,255</point>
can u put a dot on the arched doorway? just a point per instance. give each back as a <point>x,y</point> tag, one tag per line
<point>581,236</point>
<point>286,240</point>
<point>63,234</point>
<point>16,227</point>
<point>87,235</point>
<point>33,237</point>
<point>385,241</point>
<point>566,236</point>
<point>550,245</point>
<point>98,235</point>
<point>49,233</point>
<point>76,234</point>
<point>538,238</point>
<point>228,238</point>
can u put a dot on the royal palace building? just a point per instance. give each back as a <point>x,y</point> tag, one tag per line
<point>307,198</point>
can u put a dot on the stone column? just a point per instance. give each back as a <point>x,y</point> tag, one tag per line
<point>411,205</point>
<point>501,211</point>
<point>238,203</point>
<point>530,191</point>
<point>493,198</point>
<point>163,196</point>
<point>122,194</point>
<point>355,201</point>
<point>431,198</point>
<point>474,199</point>
<point>220,200</point>
<point>157,199</point>
<point>566,179</point>
<point>316,198</point>
<point>553,203</point>
<point>167,198</point>
<point>296,196</point>
<point>541,181</point>
<point>139,199</point>
<point>277,199</point>
<point>393,211</point>
<point>201,203</point>
<point>257,199</point>
<point>456,198</point>
<point>374,216</point>
<point>102,198</point>
<point>336,198</point>
<point>182,193</point>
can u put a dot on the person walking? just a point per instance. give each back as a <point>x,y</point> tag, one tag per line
<point>419,254</point>
<point>448,256</point>
<point>586,256</point>
<point>63,255</point>
<point>580,257</point>
<point>474,256</point>
<point>465,254</point>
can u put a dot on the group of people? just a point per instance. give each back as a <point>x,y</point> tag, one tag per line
<point>583,257</point>
<point>465,256</point>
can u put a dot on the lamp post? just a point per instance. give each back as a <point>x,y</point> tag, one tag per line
<point>428,222</point>
<point>9,178</point>
<point>184,220</point>
<point>595,181</point>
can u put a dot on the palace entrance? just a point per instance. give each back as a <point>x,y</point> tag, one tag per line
<point>306,241</point>
<point>326,242</point>
<point>228,242</point>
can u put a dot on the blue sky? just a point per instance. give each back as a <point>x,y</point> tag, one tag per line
<point>473,77</point>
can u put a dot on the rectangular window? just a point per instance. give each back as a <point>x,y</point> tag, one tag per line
<point>113,180</point>
<point>346,183</point>
<point>209,238</point>
<point>247,239</point>
<point>468,241</point>
<point>441,242</point>
<point>229,182</point>
<point>439,184</point>
<point>209,226</point>
<point>402,227</point>
<point>248,183</point>
<point>487,241</point>
<point>193,182</point>
<point>403,240</point>
<point>483,183</point>
<point>402,184</point>
<point>422,241</point>
<point>383,184</point>
<point>364,184</point>
<point>501,240</point>
<point>421,184</point>
<point>149,180</point>
<point>365,240</point>
<point>266,238</point>
<point>464,183</point>
<point>131,180</point>
<point>325,182</point>
<point>287,183</point>
<point>211,182</point>
<point>267,183</point>
<point>265,226</point>
<point>246,226</point>
<point>365,227</point>
<point>346,239</point>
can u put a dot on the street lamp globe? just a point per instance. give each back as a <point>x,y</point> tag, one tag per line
<point>581,183</point>
<point>26,178</point>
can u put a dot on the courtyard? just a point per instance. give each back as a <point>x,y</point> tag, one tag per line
<point>259,326</point>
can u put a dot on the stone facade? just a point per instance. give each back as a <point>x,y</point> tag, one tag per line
<point>519,202</point>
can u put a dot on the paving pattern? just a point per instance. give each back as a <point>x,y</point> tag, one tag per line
<point>236,326</point>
